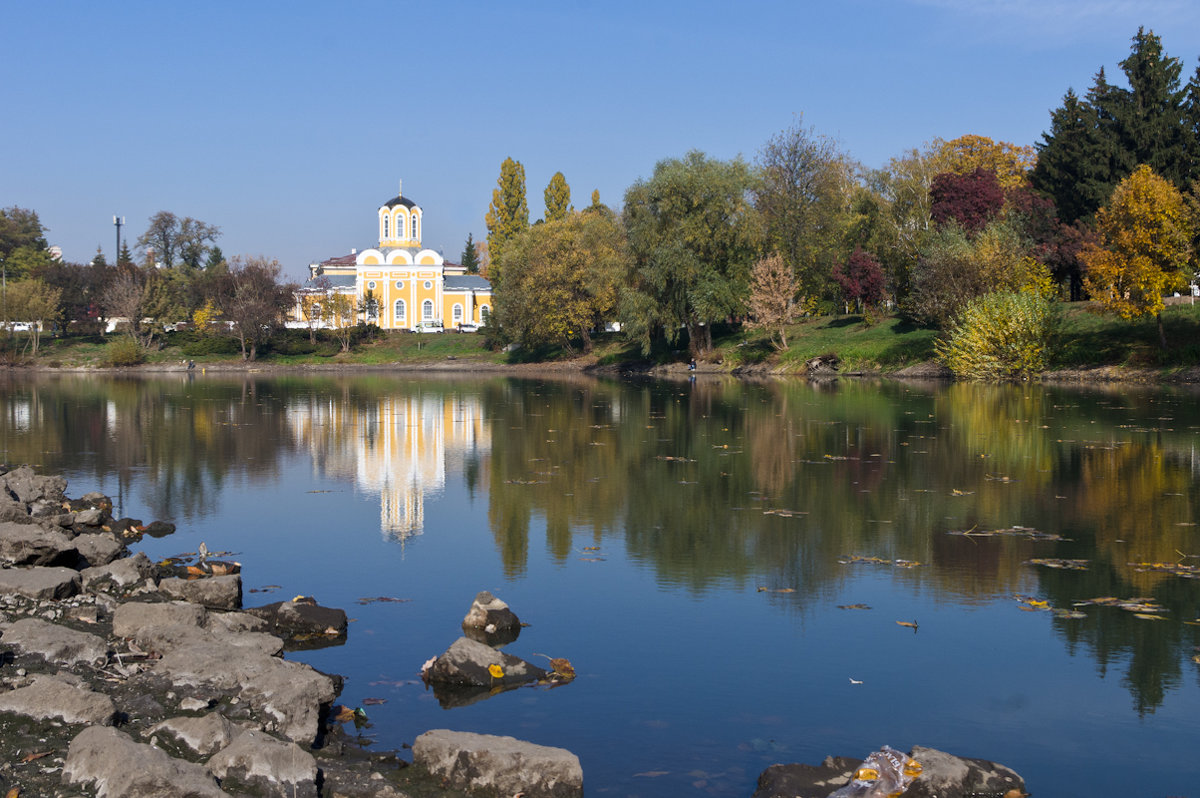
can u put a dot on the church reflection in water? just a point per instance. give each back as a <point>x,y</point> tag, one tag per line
<point>397,447</point>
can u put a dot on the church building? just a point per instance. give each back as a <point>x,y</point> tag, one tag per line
<point>399,285</point>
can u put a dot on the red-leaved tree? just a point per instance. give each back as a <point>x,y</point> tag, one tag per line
<point>972,200</point>
<point>860,279</point>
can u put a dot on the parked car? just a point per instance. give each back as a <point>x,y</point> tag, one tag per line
<point>430,327</point>
<point>469,326</point>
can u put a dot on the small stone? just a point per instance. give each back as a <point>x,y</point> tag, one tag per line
<point>192,704</point>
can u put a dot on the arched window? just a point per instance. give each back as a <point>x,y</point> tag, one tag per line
<point>398,313</point>
<point>427,310</point>
<point>385,227</point>
<point>484,312</point>
<point>456,314</point>
<point>400,226</point>
<point>415,235</point>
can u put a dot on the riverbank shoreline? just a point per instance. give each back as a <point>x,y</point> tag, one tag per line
<point>590,366</point>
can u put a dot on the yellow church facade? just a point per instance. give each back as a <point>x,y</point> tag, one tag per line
<point>397,284</point>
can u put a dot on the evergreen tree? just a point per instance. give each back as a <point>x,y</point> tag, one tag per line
<point>1067,166</point>
<point>99,260</point>
<point>1150,113</point>
<point>216,260</point>
<point>126,257</point>
<point>470,258</point>
<point>508,215</point>
<point>1094,144</point>
<point>558,198</point>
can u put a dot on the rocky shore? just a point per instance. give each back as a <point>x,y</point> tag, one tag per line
<point>122,677</point>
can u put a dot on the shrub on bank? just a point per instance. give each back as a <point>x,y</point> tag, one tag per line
<point>124,351</point>
<point>1000,335</point>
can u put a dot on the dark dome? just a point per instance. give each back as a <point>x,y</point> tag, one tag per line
<point>399,200</point>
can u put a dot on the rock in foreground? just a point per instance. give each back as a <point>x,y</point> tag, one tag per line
<point>943,776</point>
<point>501,765</point>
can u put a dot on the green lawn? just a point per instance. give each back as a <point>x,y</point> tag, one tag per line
<point>1086,339</point>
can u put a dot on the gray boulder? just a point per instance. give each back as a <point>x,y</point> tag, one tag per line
<point>56,644</point>
<point>467,663</point>
<point>202,736</point>
<point>948,776</point>
<point>133,617</point>
<point>14,512</point>
<point>122,575</point>
<point>101,548</point>
<point>492,617</point>
<point>501,765</point>
<point>33,544</point>
<point>257,761</point>
<point>215,592</point>
<point>39,583</point>
<point>303,623</point>
<point>942,776</point>
<point>118,767</point>
<point>291,694</point>
<point>27,487</point>
<point>54,698</point>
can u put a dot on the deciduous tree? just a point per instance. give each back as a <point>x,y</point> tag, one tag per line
<point>773,297</point>
<point>252,297</point>
<point>692,238</point>
<point>34,301</point>
<point>562,280</point>
<point>508,215</point>
<point>860,279</point>
<point>1144,248</point>
<point>558,198</point>
<point>1009,162</point>
<point>173,239</point>
<point>804,195</point>
<point>970,200</point>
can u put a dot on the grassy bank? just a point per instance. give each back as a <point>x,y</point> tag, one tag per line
<point>1086,340</point>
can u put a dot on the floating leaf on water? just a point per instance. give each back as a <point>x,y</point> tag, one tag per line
<point>909,624</point>
<point>1070,614</point>
<point>786,513</point>
<point>373,701</point>
<point>1145,616</point>
<point>496,671</point>
<point>853,607</point>
<point>382,599</point>
<point>652,774</point>
<point>563,667</point>
<point>343,714</point>
<point>855,681</point>
<point>957,492</point>
<point>1015,531</point>
<point>1058,562</point>
<point>1176,569</point>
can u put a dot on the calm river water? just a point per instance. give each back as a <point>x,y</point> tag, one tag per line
<point>693,549</point>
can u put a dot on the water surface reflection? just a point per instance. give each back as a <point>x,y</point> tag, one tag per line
<point>744,500</point>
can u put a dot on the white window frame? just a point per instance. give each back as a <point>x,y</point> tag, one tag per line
<point>427,310</point>
<point>399,311</point>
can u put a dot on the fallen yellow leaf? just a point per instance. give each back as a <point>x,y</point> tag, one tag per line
<point>496,671</point>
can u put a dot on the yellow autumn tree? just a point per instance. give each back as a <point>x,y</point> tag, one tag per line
<point>1144,247</point>
<point>1010,163</point>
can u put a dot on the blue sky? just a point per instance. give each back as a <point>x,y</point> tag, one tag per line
<point>287,125</point>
